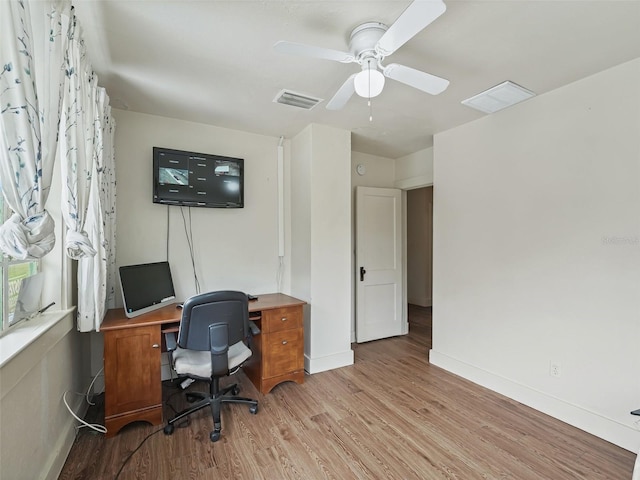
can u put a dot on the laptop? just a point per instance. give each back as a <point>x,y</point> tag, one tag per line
<point>29,300</point>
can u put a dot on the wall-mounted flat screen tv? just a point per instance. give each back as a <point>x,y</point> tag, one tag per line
<point>197,179</point>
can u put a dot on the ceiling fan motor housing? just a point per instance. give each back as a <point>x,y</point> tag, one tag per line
<point>363,40</point>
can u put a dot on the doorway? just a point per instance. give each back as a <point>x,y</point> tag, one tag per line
<point>420,256</point>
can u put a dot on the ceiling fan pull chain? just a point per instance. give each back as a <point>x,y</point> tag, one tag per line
<point>369,99</point>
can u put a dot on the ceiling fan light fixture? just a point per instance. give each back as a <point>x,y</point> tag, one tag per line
<point>369,82</point>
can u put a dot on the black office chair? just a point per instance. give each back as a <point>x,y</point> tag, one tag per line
<point>212,343</point>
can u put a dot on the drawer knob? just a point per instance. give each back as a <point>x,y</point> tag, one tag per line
<point>155,345</point>
<point>284,342</point>
<point>284,319</point>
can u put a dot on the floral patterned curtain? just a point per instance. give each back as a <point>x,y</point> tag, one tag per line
<point>107,176</point>
<point>88,179</point>
<point>66,104</point>
<point>29,125</point>
<point>77,148</point>
<point>96,274</point>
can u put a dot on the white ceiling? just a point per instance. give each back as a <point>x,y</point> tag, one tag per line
<point>212,62</point>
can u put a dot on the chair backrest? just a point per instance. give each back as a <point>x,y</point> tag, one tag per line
<point>200,311</point>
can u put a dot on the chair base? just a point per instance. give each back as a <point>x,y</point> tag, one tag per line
<point>214,400</point>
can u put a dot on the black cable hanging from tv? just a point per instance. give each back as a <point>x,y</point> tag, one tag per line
<point>189,234</point>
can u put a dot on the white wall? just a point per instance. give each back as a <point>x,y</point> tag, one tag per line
<point>379,171</point>
<point>537,252</point>
<point>233,248</point>
<point>414,170</point>
<point>300,165</point>
<point>321,213</point>
<point>37,430</point>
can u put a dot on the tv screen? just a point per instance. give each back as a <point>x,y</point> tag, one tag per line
<point>146,287</point>
<point>197,179</point>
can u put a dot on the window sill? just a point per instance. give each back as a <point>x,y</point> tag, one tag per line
<point>26,332</point>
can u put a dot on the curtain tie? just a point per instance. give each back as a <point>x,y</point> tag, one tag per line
<point>78,245</point>
<point>28,239</point>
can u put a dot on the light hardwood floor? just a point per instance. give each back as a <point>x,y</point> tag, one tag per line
<point>390,415</point>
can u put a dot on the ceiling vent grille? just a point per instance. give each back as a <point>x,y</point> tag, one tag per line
<point>498,97</point>
<point>287,97</point>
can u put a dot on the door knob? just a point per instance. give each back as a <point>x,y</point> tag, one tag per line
<point>362,272</point>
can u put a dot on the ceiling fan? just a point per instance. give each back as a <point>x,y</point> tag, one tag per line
<point>370,43</point>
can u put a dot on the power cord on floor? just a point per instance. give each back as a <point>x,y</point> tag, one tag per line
<point>182,424</point>
<point>93,426</point>
<point>179,391</point>
<point>135,450</point>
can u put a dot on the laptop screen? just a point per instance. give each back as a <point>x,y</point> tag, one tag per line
<point>146,287</point>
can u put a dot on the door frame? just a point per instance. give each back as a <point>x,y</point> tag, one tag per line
<point>404,186</point>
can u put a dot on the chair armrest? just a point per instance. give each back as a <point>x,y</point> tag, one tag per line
<point>171,341</point>
<point>254,328</point>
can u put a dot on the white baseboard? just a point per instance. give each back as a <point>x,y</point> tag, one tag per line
<point>625,436</point>
<point>420,301</point>
<point>321,364</point>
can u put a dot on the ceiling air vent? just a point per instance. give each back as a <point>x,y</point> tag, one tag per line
<point>498,97</point>
<point>295,99</point>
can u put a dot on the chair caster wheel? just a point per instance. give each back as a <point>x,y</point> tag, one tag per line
<point>168,429</point>
<point>253,409</point>
<point>235,391</point>
<point>214,436</point>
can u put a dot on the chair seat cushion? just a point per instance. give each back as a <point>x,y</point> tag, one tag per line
<point>198,363</point>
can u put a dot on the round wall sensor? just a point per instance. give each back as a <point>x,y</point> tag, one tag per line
<point>361,169</point>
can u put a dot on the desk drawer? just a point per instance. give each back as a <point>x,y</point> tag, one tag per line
<point>283,352</point>
<point>280,319</point>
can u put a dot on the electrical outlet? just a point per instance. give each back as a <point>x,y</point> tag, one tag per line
<point>554,369</point>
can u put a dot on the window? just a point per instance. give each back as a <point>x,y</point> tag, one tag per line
<point>12,272</point>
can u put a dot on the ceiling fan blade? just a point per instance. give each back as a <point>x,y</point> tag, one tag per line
<point>416,79</point>
<point>343,94</point>
<point>292,48</point>
<point>417,16</point>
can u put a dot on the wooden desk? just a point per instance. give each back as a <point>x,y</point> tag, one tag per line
<point>133,347</point>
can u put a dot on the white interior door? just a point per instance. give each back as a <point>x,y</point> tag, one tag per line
<point>378,263</point>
